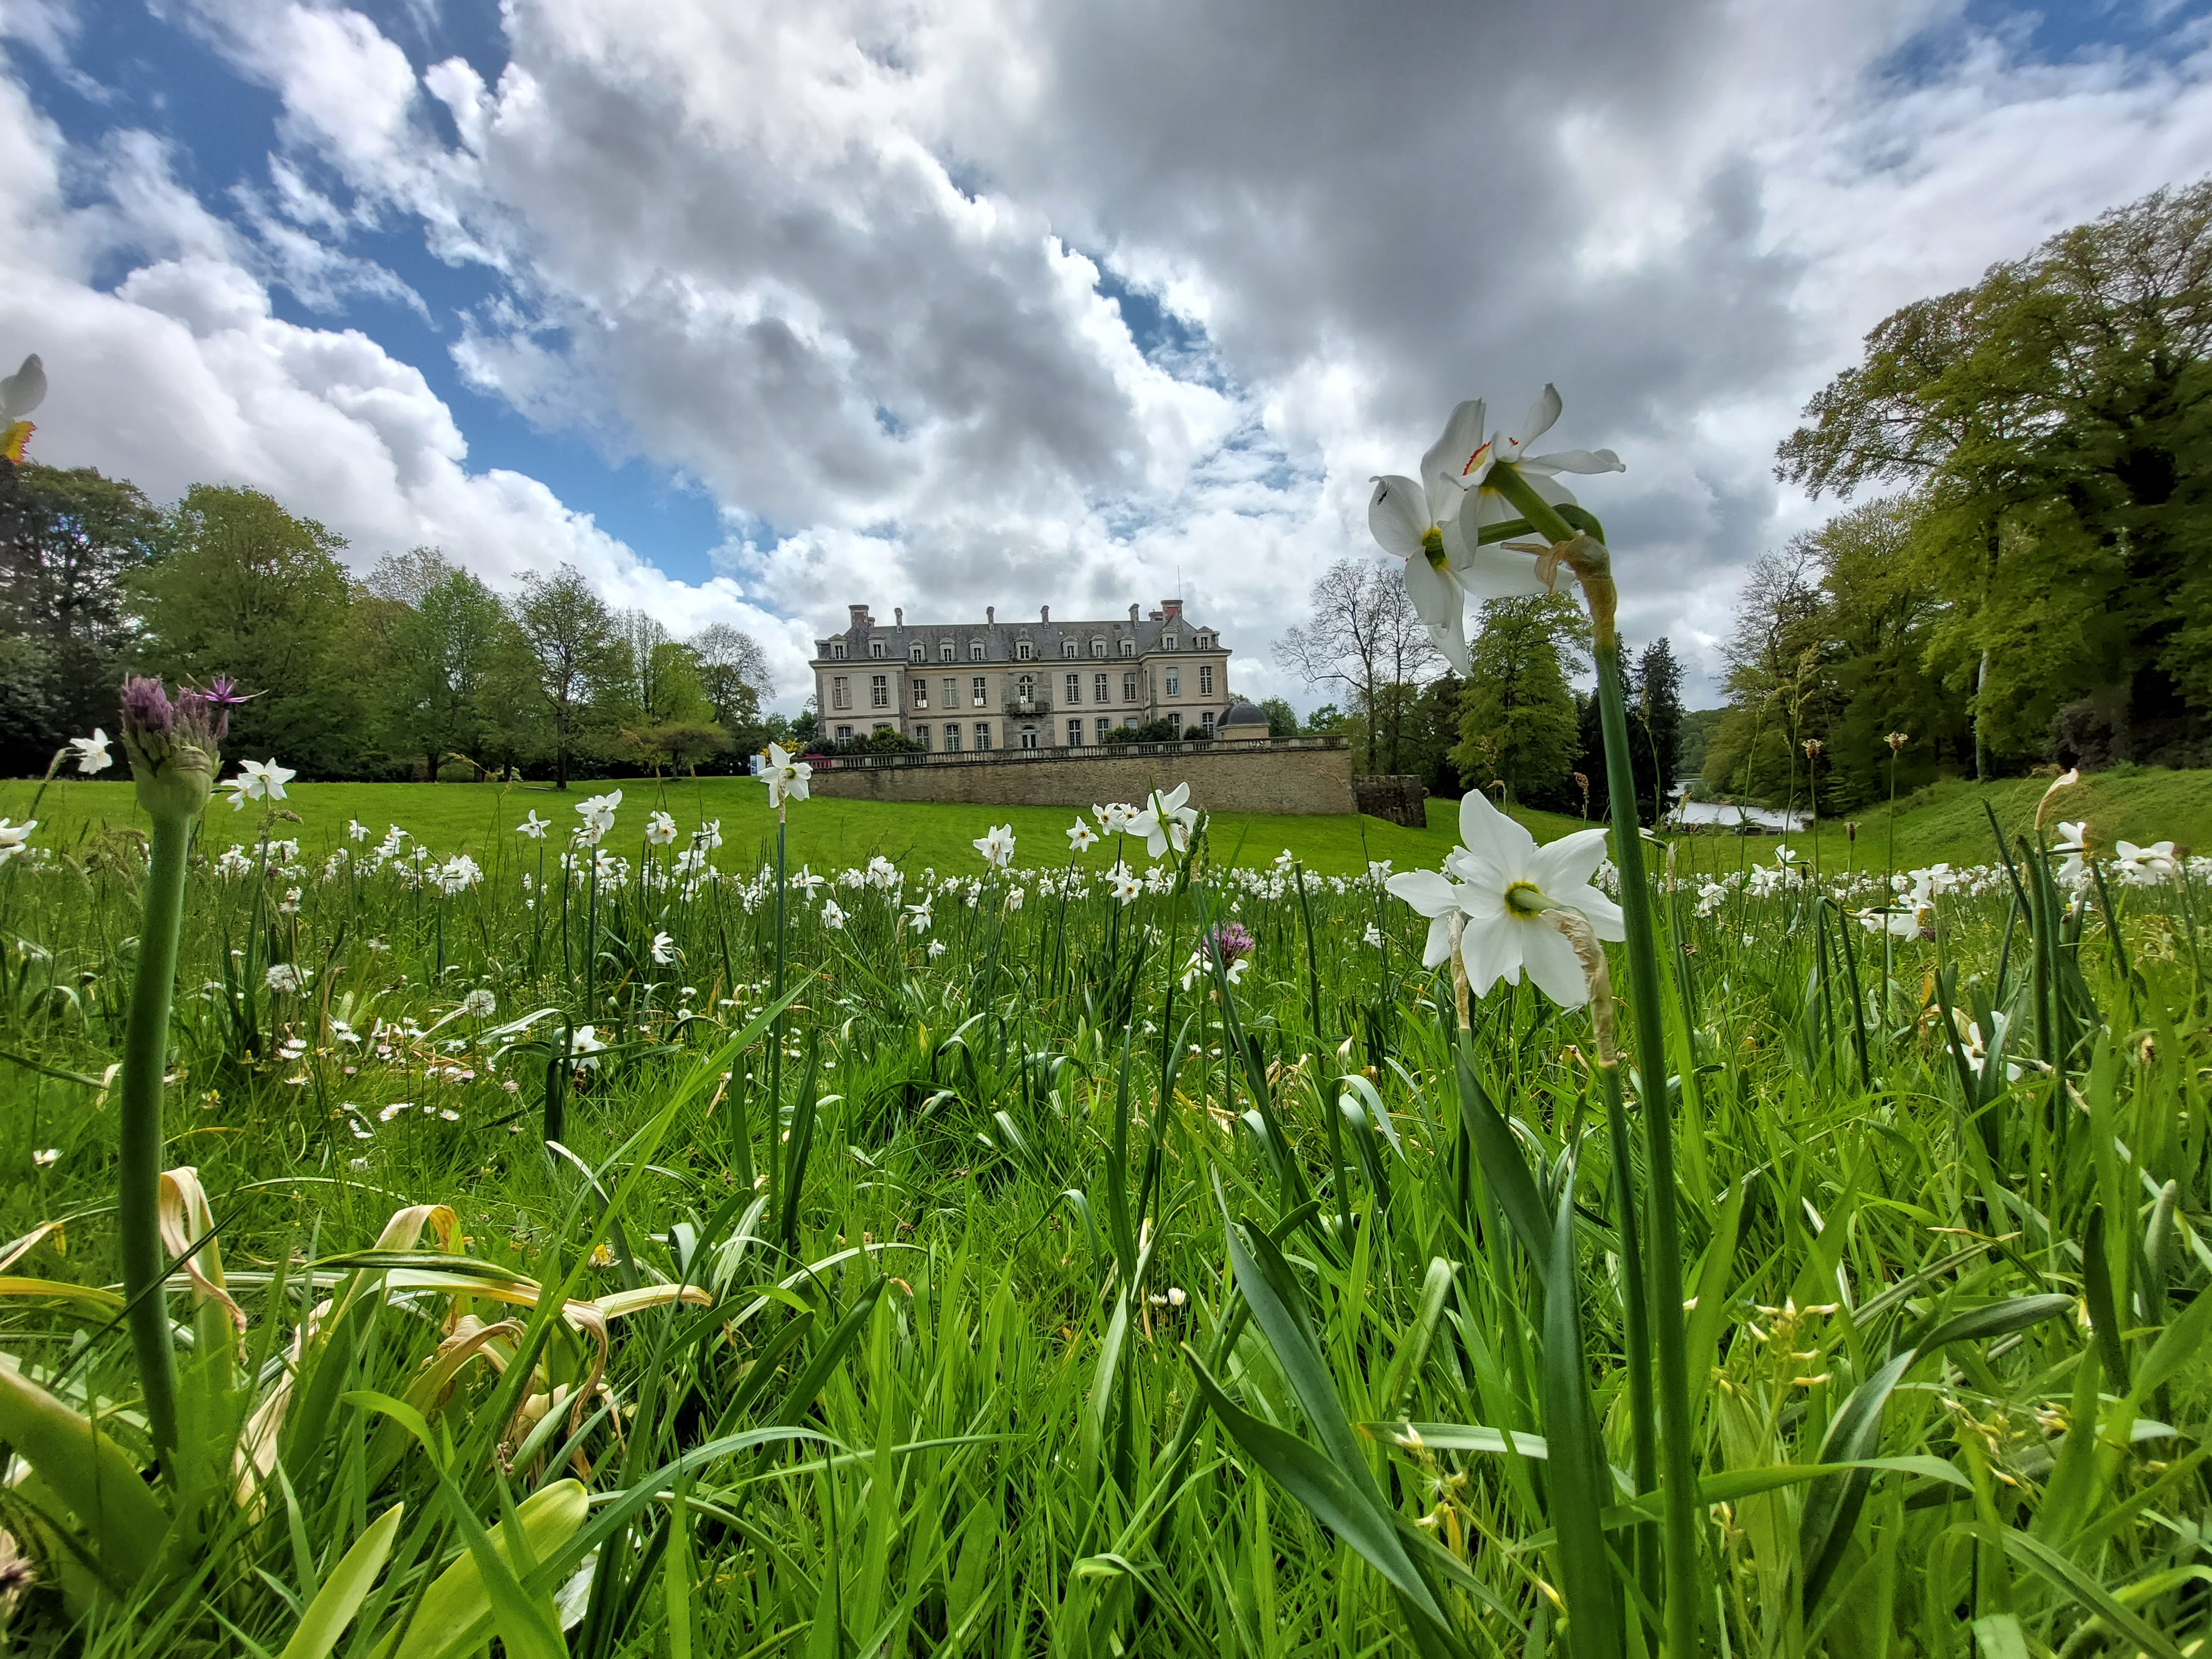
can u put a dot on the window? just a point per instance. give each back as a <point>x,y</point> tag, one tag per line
<point>945,651</point>
<point>837,650</point>
<point>921,736</point>
<point>1075,734</point>
<point>1129,686</point>
<point>875,647</point>
<point>951,738</point>
<point>844,734</point>
<point>840,691</point>
<point>1098,646</point>
<point>1206,720</point>
<point>1175,720</point>
<point>1168,643</point>
<point>880,691</point>
<point>1205,679</point>
<point>1098,688</point>
<point>1175,684</point>
<point>951,692</point>
<point>1067,647</point>
<point>1075,688</point>
<point>1128,647</point>
<point>979,693</point>
<point>1026,687</point>
<point>913,652</point>
<point>1101,727</point>
<point>1022,651</point>
<point>982,734</point>
<point>976,652</point>
<point>921,692</point>
<point>1028,736</point>
<point>1204,643</point>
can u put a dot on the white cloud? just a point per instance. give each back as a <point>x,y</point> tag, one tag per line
<point>839,263</point>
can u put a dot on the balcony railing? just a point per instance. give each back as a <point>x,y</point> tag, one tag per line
<point>1021,707</point>
<point>1083,751</point>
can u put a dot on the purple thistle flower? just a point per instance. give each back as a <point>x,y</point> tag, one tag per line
<point>172,743</point>
<point>1231,943</point>
<point>147,710</point>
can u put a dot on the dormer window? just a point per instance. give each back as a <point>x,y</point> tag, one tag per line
<point>1067,647</point>
<point>875,647</point>
<point>945,651</point>
<point>1206,641</point>
<point>1021,650</point>
<point>1168,643</point>
<point>913,652</point>
<point>837,650</point>
<point>1128,647</point>
<point>1098,646</point>
<point>976,652</point>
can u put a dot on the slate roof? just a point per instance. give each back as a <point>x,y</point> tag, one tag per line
<point>1047,640</point>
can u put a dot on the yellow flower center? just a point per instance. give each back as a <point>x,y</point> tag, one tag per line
<point>1432,544</point>
<point>1525,899</point>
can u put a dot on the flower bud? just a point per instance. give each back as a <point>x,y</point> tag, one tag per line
<point>172,746</point>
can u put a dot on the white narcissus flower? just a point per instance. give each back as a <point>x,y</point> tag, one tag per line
<point>936,949</point>
<point>660,829</point>
<point>583,1043</point>
<point>1500,884</point>
<point>786,777</point>
<point>832,917</point>
<point>1124,884</point>
<point>1114,817</point>
<point>2145,867</point>
<point>534,826</point>
<point>257,781</point>
<point>598,815</point>
<point>15,838</point>
<point>664,949</point>
<point>2073,847</point>
<point>1081,838</point>
<point>1496,571</point>
<point>48,1159</point>
<point>708,835</point>
<point>997,847</point>
<point>91,753</point>
<point>918,917</point>
<point>356,830</point>
<point>1165,822</point>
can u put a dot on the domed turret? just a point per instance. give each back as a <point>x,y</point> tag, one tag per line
<point>1243,723</point>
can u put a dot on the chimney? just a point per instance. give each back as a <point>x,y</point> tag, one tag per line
<point>1174,607</point>
<point>1044,613</point>
<point>859,615</point>
<point>1154,615</point>
<point>898,615</point>
<point>1133,613</point>
<point>990,613</point>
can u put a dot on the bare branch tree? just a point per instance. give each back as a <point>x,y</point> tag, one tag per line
<point>1365,636</point>
<point>734,669</point>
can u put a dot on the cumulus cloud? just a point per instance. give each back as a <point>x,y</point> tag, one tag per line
<point>950,302</point>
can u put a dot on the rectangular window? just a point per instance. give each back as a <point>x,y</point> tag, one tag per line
<point>1206,720</point>
<point>1129,687</point>
<point>840,691</point>
<point>913,652</point>
<point>982,734</point>
<point>844,734</point>
<point>1075,734</point>
<point>921,692</point>
<point>921,736</point>
<point>1128,647</point>
<point>1067,648</point>
<point>1175,684</point>
<point>837,650</point>
<point>951,692</point>
<point>945,651</point>
<point>880,691</point>
<point>1022,651</point>
<point>976,652</point>
<point>1028,736</point>
<point>875,647</point>
<point>1098,688</point>
<point>1205,679</point>
<point>951,738</point>
<point>1175,720</point>
<point>1075,688</point>
<point>1101,727</point>
<point>979,693</point>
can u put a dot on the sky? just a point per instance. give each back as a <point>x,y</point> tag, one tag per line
<point>754,310</point>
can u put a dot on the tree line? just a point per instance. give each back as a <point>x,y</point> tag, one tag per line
<point>417,669</point>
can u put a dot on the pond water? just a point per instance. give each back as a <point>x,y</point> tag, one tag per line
<point>1728,816</point>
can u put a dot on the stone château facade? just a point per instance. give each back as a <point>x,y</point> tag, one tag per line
<point>997,687</point>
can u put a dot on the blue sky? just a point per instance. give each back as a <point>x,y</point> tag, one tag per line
<point>752,311</point>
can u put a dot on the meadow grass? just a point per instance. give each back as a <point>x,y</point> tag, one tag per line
<point>1029,1284</point>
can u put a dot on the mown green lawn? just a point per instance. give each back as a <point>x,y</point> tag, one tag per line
<point>1946,821</point>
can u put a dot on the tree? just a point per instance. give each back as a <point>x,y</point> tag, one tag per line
<point>1656,719</point>
<point>2053,422</point>
<point>1364,634</point>
<point>733,673</point>
<point>1518,720</point>
<point>440,659</point>
<point>574,653</point>
<point>250,591</point>
<point>70,540</point>
<point>1282,719</point>
<point>1779,689</point>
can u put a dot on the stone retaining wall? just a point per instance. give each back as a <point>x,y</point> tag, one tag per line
<point>1397,798</point>
<point>1297,776</point>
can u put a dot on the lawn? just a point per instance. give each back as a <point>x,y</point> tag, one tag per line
<point>824,833</point>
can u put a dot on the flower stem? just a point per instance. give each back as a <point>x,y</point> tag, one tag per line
<point>145,1054</point>
<point>1678,1484</point>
